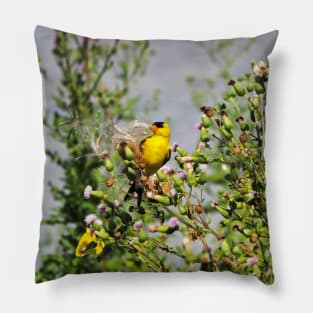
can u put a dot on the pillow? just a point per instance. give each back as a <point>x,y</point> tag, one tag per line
<point>154,155</point>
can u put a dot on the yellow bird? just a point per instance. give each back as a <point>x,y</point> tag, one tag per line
<point>155,152</point>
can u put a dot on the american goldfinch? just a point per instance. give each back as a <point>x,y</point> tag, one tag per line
<point>155,151</point>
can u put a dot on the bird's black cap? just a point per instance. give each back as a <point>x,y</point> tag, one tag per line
<point>159,124</point>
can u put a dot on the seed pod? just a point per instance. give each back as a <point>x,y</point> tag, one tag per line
<point>243,138</point>
<point>129,155</point>
<point>204,258</point>
<point>253,102</point>
<point>227,133</point>
<point>236,150</point>
<point>117,234</point>
<point>162,199</point>
<point>219,209</point>
<point>98,194</point>
<point>204,136</point>
<point>227,260</point>
<point>131,173</point>
<point>259,88</point>
<point>240,91</point>
<point>242,259</point>
<point>182,209</point>
<point>250,86</point>
<point>248,75</point>
<point>109,182</point>
<point>247,232</point>
<point>225,248</point>
<point>164,228</point>
<point>181,151</point>
<point>205,120</point>
<point>207,110</point>
<point>227,122</point>
<point>254,238</point>
<point>177,181</point>
<point>191,180</point>
<point>142,235</point>
<point>199,208</point>
<point>237,250</point>
<point>229,95</point>
<point>108,164</point>
<point>244,126</point>
<point>234,174</point>
<point>161,176</point>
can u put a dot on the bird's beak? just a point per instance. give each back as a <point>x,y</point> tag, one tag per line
<point>154,128</point>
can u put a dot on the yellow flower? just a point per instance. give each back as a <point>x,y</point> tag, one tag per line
<point>89,243</point>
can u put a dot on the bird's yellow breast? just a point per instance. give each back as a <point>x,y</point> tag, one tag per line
<point>155,153</point>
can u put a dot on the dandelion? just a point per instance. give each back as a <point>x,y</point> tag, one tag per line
<point>138,225</point>
<point>87,192</point>
<point>173,222</point>
<point>252,260</point>
<point>203,168</point>
<point>90,218</point>
<point>101,208</point>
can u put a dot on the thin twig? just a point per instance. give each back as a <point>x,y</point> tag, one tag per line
<point>103,70</point>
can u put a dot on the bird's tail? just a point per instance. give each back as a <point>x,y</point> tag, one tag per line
<point>135,189</point>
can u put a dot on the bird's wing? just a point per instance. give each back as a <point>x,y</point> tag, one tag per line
<point>142,143</point>
<point>168,156</point>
